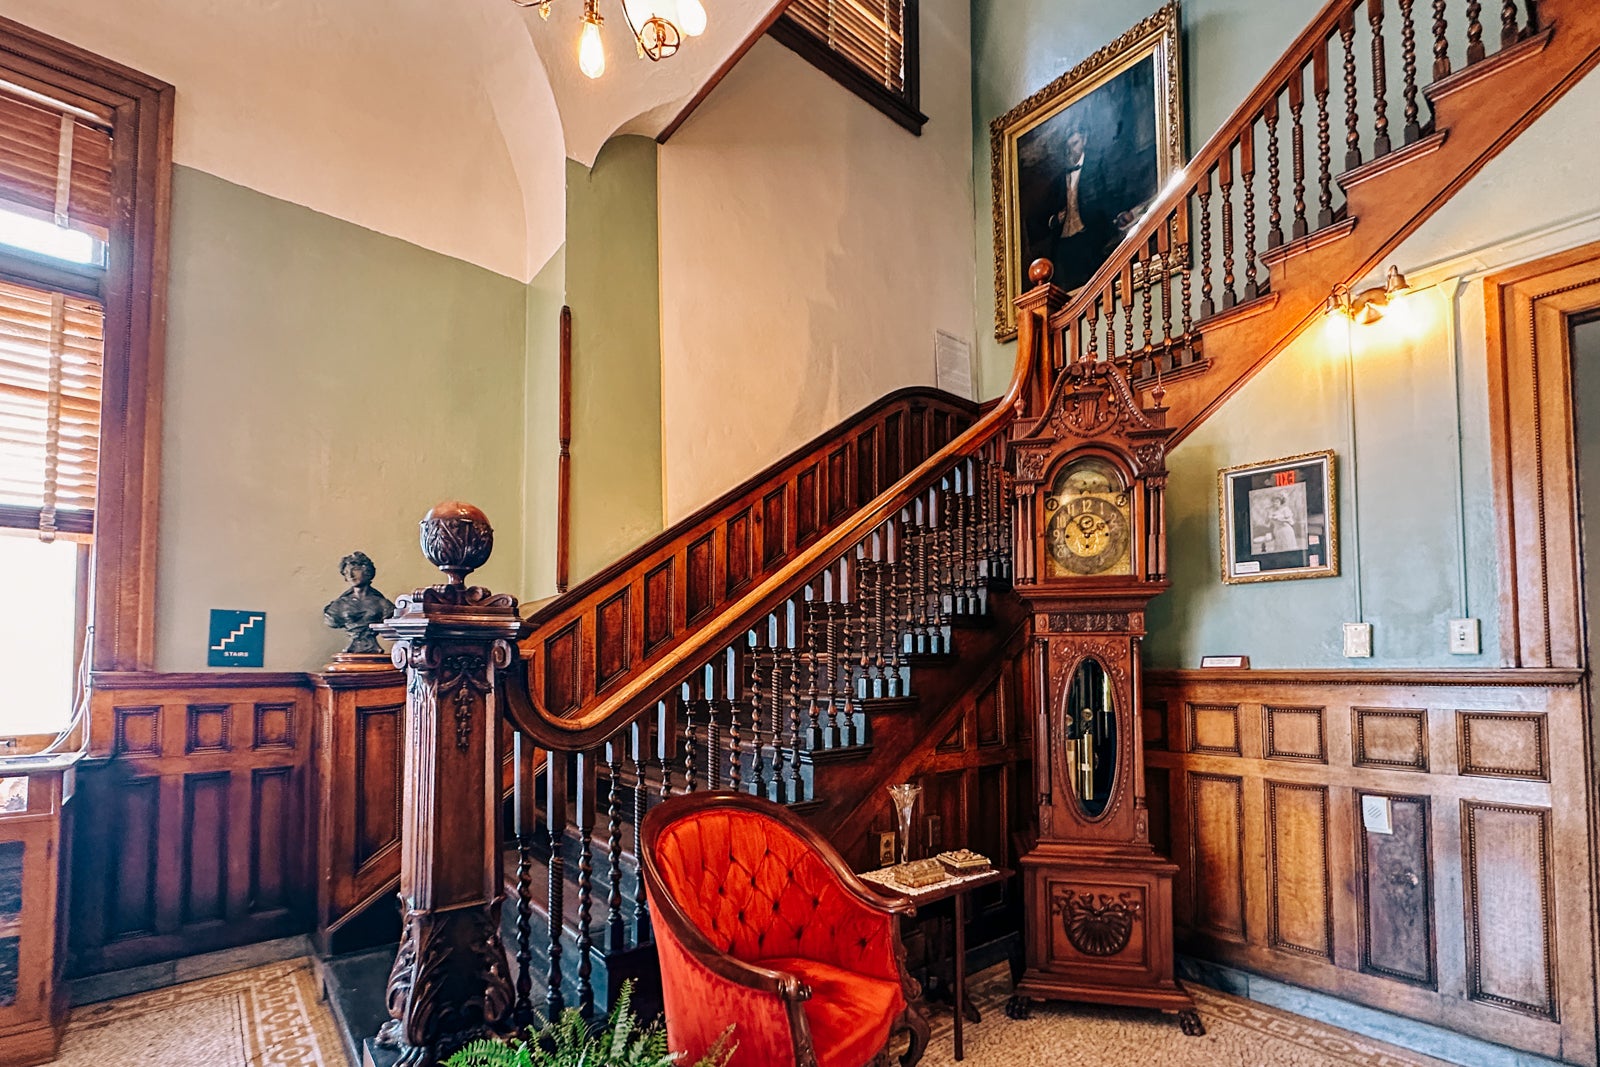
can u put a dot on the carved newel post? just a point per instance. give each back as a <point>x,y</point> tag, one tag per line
<point>450,981</point>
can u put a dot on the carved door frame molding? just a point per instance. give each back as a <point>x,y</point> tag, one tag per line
<point>1529,312</point>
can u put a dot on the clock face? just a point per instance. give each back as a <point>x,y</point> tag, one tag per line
<point>1089,530</point>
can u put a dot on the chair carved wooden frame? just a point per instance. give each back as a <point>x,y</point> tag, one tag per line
<point>768,1002</point>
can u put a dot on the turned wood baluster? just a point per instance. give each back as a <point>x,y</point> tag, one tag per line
<point>894,547</point>
<point>1441,42</point>
<point>1247,172</point>
<point>641,763</point>
<point>819,734</point>
<point>1153,269</point>
<point>713,727</point>
<point>666,742</point>
<point>1297,136</point>
<point>1225,184</point>
<point>525,817</point>
<point>583,811</point>
<point>965,580</point>
<point>1532,20</point>
<point>1164,257</point>
<point>792,695</point>
<point>555,807</point>
<point>1208,306</point>
<point>777,791</point>
<point>1319,82</point>
<point>730,676</point>
<point>1127,306</point>
<point>923,632</point>
<point>1475,49</point>
<point>945,569</point>
<point>1408,56</point>
<point>688,705</point>
<point>616,928</point>
<point>1274,177</point>
<point>1352,115</point>
<point>758,760</point>
<point>1380,81</point>
<point>1185,241</point>
<point>1094,329</point>
<point>1508,26</point>
<point>838,652</point>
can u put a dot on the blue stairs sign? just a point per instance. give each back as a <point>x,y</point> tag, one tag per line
<point>238,639</point>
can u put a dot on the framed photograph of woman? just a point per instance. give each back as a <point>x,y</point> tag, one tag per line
<point>1076,164</point>
<point>1279,520</point>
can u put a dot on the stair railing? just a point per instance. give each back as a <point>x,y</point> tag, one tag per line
<point>755,689</point>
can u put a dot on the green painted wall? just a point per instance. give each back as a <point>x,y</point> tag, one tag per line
<point>541,419</point>
<point>612,284</point>
<point>325,385</point>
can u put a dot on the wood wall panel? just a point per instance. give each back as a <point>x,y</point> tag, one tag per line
<point>194,832</point>
<point>1299,893</point>
<point>1216,855</point>
<point>1510,917</point>
<point>1295,734</point>
<point>1474,911</point>
<point>360,758</point>
<point>1397,893</point>
<point>1504,745</point>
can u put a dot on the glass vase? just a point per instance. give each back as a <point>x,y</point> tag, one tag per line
<point>905,803</point>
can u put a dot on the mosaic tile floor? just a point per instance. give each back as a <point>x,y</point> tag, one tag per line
<point>271,1015</point>
<point>266,1015</point>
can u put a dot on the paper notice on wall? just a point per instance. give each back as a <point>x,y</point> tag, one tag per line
<point>952,364</point>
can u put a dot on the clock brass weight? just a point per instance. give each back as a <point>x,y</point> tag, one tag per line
<point>1090,474</point>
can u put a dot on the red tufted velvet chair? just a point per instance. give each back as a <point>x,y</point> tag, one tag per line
<point>759,923</point>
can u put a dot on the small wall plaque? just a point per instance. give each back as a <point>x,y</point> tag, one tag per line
<point>1231,662</point>
<point>238,639</point>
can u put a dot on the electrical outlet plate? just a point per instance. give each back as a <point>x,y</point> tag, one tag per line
<point>1358,640</point>
<point>886,849</point>
<point>1465,637</point>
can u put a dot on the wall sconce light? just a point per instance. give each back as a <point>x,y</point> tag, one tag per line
<point>1368,306</point>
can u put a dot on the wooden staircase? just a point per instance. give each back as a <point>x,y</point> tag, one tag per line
<point>812,644</point>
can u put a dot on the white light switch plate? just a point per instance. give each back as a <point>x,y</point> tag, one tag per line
<point>1375,816</point>
<point>1464,637</point>
<point>1358,640</point>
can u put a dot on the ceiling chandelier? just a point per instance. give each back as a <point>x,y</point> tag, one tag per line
<point>659,27</point>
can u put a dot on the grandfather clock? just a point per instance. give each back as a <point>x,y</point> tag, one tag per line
<point>1090,476</point>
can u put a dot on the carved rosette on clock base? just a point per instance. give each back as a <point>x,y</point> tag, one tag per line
<point>1091,553</point>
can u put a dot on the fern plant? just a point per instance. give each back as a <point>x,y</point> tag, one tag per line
<point>570,1042</point>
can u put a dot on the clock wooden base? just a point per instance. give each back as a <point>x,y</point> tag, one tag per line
<point>1100,929</point>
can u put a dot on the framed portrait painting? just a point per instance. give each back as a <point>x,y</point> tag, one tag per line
<point>1279,519</point>
<point>1076,164</point>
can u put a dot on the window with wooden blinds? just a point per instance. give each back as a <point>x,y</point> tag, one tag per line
<point>51,352</point>
<point>54,164</point>
<point>868,46</point>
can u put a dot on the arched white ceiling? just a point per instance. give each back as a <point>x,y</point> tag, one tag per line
<point>635,95</point>
<point>442,122</point>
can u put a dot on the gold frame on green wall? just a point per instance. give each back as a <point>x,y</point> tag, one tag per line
<point>1225,512</point>
<point>1157,36</point>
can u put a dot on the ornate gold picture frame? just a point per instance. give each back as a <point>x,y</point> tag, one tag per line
<point>1279,520</point>
<point>1075,165</point>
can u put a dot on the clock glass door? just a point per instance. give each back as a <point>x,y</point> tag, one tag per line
<point>1089,524</point>
<point>1090,730</point>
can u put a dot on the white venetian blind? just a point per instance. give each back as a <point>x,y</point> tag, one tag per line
<point>51,349</point>
<point>868,33</point>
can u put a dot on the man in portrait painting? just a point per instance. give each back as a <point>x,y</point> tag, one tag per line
<point>1086,174</point>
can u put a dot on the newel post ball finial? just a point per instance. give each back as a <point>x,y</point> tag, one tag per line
<point>456,538</point>
<point>1041,271</point>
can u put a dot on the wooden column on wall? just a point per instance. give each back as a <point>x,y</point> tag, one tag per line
<point>564,459</point>
<point>1530,310</point>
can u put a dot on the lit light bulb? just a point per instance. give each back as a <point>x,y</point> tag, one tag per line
<point>591,52</point>
<point>692,17</point>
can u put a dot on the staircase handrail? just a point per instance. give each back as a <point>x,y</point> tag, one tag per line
<point>622,707</point>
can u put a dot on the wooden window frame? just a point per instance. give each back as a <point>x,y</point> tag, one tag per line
<point>906,108</point>
<point>133,291</point>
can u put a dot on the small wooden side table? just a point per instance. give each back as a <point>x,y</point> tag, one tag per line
<point>956,888</point>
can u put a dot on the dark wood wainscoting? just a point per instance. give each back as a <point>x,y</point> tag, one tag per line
<point>1474,912</point>
<point>192,829</point>
<point>359,761</point>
